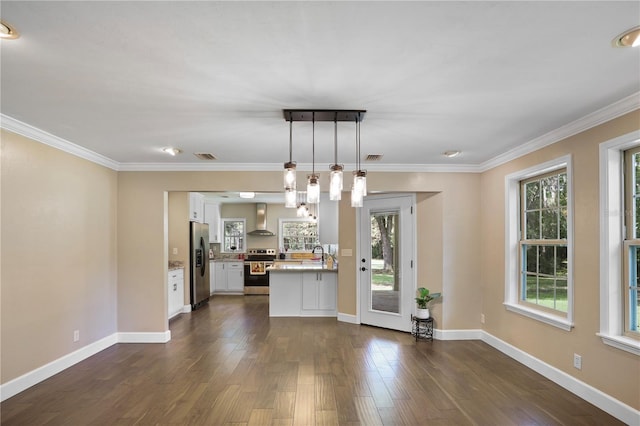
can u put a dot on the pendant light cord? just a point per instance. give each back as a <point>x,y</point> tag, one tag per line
<point>335,140</point>
<point>291,141</point>
<point>313,143</point>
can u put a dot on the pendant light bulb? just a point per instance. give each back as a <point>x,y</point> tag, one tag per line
<point>290,166</point>
<point>335,183</point>
<point>335,177</point>
<point>302,210</point>
<point>290,176</point>
<point>313,190</point>
<point>356,198</point>
<point>290,198</point>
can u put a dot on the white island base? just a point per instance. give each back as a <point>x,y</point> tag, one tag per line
<point>303,293</point>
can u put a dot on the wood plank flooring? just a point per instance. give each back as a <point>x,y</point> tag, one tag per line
<point>230,364</point>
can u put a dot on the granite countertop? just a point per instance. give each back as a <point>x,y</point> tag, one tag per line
<point>175,264</point>
<point>289,266</point>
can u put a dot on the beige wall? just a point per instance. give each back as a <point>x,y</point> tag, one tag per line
<point>58,254</point>
<point>178,210</point>
<point>460,243</point>
<point>613,371</point>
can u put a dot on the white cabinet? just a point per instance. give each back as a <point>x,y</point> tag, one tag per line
<point>319,293</point>
<point>229,277</point>
<point>176,291</point>
<point>285,294</point>
<point>212,217</point>
<point>196,207</point>
<point>212,277</point>
<point>307,293</point>
<point>235,276</point>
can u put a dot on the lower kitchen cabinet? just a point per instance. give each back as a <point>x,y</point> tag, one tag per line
<point>319,293</point>
<point>228,277</point>
<point>175,291</point>
<point>304,293</point>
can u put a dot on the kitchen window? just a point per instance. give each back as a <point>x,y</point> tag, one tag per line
<point>539,252</point>
<point>234,235</point>
<point>298,235</point>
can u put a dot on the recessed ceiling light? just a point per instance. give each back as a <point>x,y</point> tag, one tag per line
<point>629,38</point>
<point>7,31</point>
<point>451,154</point>
<point>172,151</point>
<point>247,195</point>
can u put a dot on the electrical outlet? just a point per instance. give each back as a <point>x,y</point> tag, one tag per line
<point>175,250</point>
<point>76,335</point>
<point>482,318</point>
<point>577,361</point>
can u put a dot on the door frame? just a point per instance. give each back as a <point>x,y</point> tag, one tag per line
<point>359,249</point>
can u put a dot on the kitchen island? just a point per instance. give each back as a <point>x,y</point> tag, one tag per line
<point>302,290</point>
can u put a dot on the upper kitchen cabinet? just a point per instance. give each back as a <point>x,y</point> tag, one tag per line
<point>328,222</point>
<point>212,217</point>
<point>196,207</point>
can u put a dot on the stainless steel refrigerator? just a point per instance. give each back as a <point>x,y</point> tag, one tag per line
<point>199,260</point>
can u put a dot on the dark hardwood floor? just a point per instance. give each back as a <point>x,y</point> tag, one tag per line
<point>230,364</point>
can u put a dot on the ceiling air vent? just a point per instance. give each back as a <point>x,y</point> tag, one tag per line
<point>205,156</point>
<point>373,157</point>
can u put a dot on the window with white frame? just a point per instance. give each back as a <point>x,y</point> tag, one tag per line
<point>538,252</point>
<point>631,246</point>
<point>298,235</point>
<point>234,235</point>
<point>543,241</point>
<point>615,274</point>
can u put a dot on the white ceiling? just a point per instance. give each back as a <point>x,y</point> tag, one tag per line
<point>125,79</point>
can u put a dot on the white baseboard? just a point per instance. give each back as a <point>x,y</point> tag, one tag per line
<point>616,408</point>
<point>186,309</point>
<point>352,319</point>
<point>457,334</point>
<point>17,385</point>
<point>157,337</point>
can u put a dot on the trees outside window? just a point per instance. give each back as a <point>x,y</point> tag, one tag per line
<point>543,244</point>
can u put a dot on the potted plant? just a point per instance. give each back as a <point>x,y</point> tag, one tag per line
<point>423,299</point>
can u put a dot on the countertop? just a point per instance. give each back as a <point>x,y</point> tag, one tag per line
<point>175,264</point>
<point>288,266</point>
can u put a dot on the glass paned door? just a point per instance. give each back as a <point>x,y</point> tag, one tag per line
<point>385,264</point>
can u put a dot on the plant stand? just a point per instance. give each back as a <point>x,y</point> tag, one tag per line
<point>422,328</point>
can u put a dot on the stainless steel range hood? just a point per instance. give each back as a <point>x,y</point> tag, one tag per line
<point>261,222</point>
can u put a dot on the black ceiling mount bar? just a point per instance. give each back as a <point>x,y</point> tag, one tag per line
<point>324,114</point>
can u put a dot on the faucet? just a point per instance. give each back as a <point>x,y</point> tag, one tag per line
<point>313,251</point>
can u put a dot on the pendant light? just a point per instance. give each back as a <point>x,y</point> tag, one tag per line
<point>335,177</point>
<point>359,188</point>
<point>290,166</point>
<point>313,183</point>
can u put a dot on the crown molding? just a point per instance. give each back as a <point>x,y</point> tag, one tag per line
<point>617,109</point>
<point>26,130</point>
<point>301,167</point>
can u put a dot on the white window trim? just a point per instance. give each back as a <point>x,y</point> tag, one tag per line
<point>512,239</point>
<point>293,219</point>
<point>611,240</point>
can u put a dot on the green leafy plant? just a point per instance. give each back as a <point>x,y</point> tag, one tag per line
<point>424,297</point>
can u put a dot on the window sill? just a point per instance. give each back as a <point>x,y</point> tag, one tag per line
<point>621,342</point>
<point>544,317</point>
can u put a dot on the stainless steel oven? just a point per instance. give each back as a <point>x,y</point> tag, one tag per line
<point>256,275</point>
